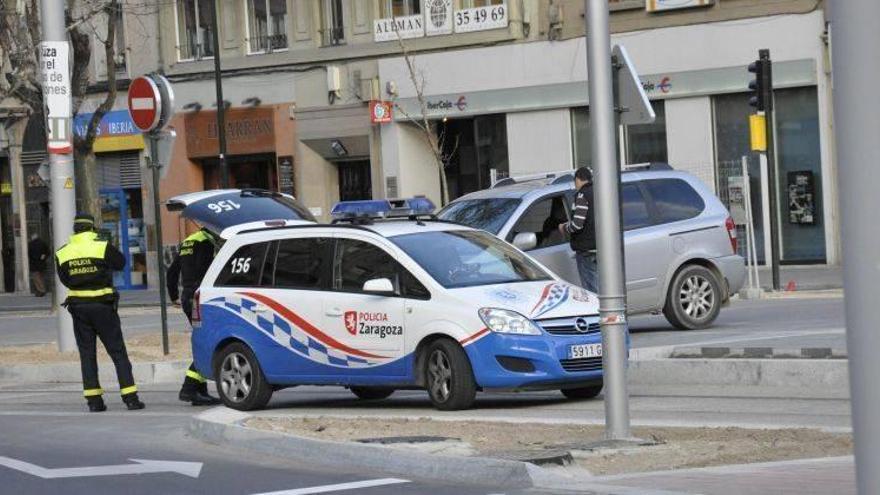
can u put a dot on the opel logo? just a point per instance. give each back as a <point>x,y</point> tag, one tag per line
<point>582,325</point>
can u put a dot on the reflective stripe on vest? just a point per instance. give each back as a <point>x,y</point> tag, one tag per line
<point>90,293</point>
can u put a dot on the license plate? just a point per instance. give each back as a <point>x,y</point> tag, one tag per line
<point>585,351</point>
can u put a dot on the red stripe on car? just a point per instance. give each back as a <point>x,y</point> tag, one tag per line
<point>473,337</point>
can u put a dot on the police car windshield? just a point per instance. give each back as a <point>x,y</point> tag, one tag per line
<point>487,214</point>
<point>466,258</point>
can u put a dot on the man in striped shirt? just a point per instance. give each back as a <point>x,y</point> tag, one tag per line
<point>582,229</point>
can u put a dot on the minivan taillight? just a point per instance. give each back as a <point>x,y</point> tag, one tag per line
<point>731,232</point>
<point>197,309</point>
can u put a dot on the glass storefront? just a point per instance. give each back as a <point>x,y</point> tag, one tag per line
<point>477,150</point>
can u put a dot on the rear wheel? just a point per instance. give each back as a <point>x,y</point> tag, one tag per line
<point>372,393</point>
<point>582,393</point>
<point>694,298</point>
<point>449,377</point>
<point>240,381</point>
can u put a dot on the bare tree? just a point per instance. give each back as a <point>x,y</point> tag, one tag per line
<point>434,139</point>
<point>20,78</point>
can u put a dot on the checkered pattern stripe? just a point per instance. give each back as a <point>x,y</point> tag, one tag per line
<point>551,298</point>
<point>288,335</point>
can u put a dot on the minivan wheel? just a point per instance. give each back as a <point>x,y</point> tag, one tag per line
<point>694,298</point>
<point>582,393</point>
<point>449,377</point>
<point>240,381</point>
<point>372,393</point>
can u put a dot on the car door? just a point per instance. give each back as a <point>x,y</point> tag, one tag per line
<point>372,324</point>
<point>645,247</point>
<point>295,282</point>
<point>542,218</point>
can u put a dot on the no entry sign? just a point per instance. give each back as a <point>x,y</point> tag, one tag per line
<point>149,102</point>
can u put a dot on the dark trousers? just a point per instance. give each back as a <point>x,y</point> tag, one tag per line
<point>99,320</point>
<point>194,381</point>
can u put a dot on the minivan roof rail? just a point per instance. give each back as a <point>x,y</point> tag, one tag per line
<point>516,179</point>
<point>647,166</point>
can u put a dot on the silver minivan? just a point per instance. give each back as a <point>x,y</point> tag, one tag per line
<point>680,241</point>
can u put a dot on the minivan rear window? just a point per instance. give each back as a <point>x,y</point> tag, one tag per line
<point>674,199</point>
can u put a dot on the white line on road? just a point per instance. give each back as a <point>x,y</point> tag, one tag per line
<point>141,466</point>
<point>339,487</point>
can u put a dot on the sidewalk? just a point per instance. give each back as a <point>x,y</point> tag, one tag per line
<point>10,302</point>
<point>805,277</point>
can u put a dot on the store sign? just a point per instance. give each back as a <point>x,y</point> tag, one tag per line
<point>661,85</point>
<point>115,132</point>
<point>411,26</point>
<point>285,175</point>
<point>55,72</point>
<point>380,112</point>
<point>438,17</point>
<point>481,18</point>
<point>660,5</point>
<point>248,131</point>
<point>460,103</point>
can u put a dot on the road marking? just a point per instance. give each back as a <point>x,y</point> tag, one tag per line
<point>141,466</point>
<point>339,487</point>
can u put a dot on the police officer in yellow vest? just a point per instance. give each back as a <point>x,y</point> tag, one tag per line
<point>189,267</point>
<point>85,266</point>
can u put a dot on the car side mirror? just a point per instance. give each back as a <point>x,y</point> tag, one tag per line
<point>380,287</point>
<point>525,241</point>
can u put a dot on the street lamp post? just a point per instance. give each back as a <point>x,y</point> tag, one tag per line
<point>221,107</point>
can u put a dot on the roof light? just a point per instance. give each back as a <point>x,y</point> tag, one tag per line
<point>383,208</point>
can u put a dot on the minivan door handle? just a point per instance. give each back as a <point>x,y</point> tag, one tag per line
<point>333,312</point>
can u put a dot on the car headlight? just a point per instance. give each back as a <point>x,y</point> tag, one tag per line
<point>506,321</point>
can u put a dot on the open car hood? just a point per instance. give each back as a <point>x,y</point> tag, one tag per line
<point>229,211</point>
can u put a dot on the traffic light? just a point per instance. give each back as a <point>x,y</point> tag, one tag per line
<point>757,85</point>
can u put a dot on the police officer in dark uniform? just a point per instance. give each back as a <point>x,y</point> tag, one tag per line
<point>85,266</point>
<point>582,229</point>
<point>189,267</point>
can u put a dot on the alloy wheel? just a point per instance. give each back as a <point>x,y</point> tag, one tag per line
<point>236,377</point>
<point>697,298</point>
<point>440,375</point>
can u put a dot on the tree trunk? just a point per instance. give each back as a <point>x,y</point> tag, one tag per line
<point>87,195</point>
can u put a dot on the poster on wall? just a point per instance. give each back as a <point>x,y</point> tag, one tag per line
<point>661,5</point>
<point>801,198</point>
<point>285,175</point>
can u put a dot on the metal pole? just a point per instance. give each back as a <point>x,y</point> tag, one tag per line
<point>221,107</point>
<point>856,68</point>
<point>764,54</point>
<point>157,211</point>
<point>609,244</point>
<point>60,164</point>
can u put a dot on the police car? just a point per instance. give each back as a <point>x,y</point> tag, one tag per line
<point>388,298</point>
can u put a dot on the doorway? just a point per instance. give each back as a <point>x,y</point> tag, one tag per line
<point>475,151</point>
<point>355,181</point>
<point>245,172</point>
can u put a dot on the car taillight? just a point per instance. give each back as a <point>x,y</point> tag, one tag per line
<point>731,232</point>
<point>197,309</point>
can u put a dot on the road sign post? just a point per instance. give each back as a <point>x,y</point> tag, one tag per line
<point>151,104</point>
<point>55,72</point>
<point>612,292</point>
<point>856,127</point>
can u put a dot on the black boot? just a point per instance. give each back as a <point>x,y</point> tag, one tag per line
<point>132,402</point>
<point>96,404</point>
<point>203,398</point>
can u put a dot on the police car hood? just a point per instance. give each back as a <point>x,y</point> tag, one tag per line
<point>536,300</point>
<point>228,211</point>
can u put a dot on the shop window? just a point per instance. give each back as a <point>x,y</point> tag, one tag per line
<point>195,29</point>
<point>267,25</point>
<point>475,151</point>
<point>580,139</point>
<point>333,23</point>
<point>647,142</point>
<point>401,8</point>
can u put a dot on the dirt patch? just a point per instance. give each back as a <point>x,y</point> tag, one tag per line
<point>141,348</point>
<point>676,448</point>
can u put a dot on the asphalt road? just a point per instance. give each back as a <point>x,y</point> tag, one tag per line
<point>787,322</point>
<point>46,427</point>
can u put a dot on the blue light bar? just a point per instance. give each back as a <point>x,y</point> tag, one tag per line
<point>383,208</point>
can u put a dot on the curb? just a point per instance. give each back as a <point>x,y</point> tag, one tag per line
<point>224,427</point>
<point>716,352</point>
<point>144,373</point>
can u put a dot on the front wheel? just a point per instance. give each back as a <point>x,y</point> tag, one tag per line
<point>694,298</point>
<point>240,381</point>
<point>582,393</point>
<point>372,393</point>
<point>449,376</point>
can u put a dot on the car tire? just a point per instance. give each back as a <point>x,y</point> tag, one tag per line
<point>372,393</point>
<point>694,298</point>
<point>449,377</point>
<point>583,393</point>
<point>240,380</point>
